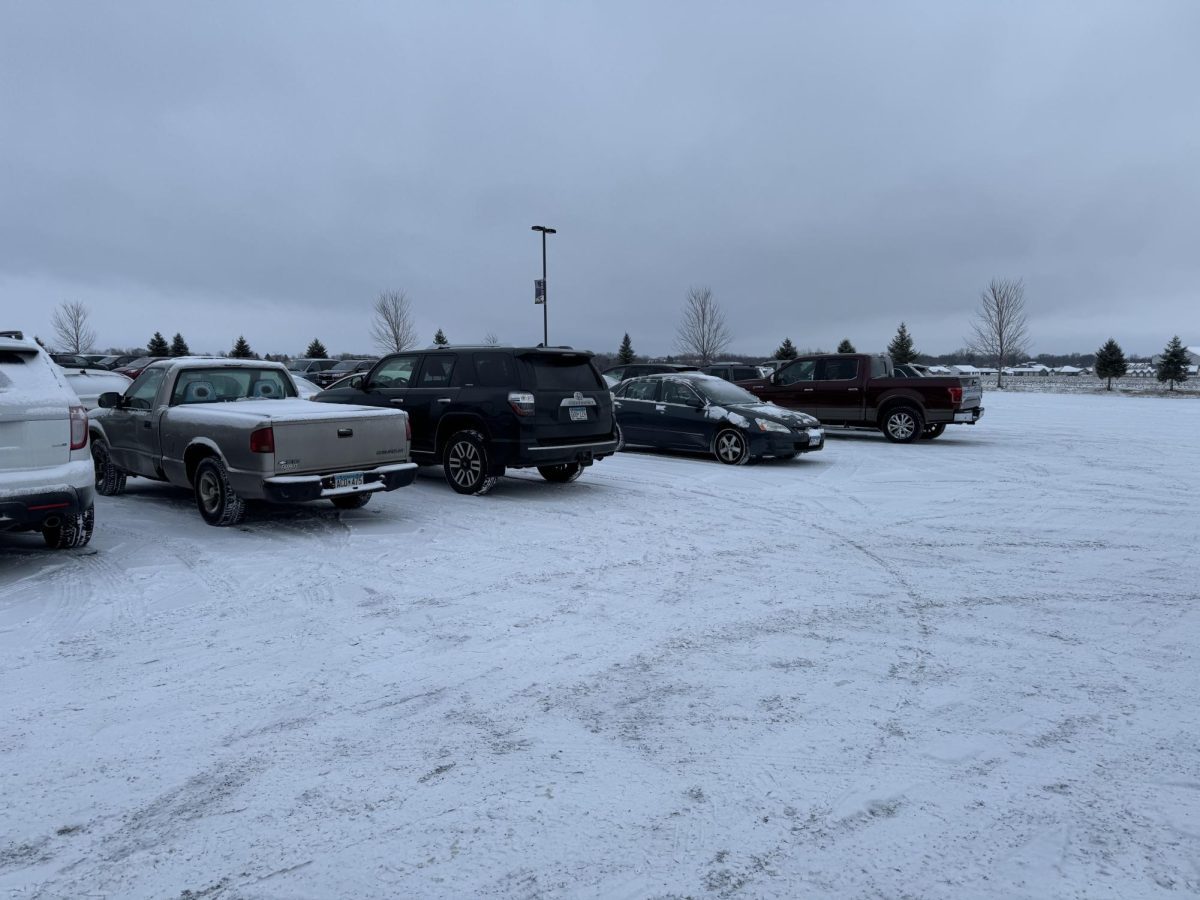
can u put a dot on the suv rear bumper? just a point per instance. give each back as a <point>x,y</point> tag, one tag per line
<point>300,488</point>
<point>517,456</point>
<point>40,508</point>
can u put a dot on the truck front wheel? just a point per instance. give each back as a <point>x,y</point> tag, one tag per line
<point>902,424</point>
<point>218,503</point>
<point>110,480</point>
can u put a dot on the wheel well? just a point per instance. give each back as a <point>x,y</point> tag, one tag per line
<point>455,423</point>
<point>192,457</point>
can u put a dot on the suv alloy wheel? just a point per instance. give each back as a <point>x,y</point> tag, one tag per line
<point>466,463</point>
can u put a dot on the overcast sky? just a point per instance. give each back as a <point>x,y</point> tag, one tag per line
<point>828,169</point>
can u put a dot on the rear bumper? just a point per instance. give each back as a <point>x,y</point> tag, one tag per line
<point>44,508</point>
<point>954,416</point>
<point>301,488</point>
<point>517,456</point>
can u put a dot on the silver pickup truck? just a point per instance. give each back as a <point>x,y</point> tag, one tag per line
<point>235,430</point>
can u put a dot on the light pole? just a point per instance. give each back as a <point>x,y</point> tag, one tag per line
<point>545,290</point>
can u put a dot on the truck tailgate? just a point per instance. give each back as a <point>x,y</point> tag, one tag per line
<point>972,392</point>
<point>356,440</point>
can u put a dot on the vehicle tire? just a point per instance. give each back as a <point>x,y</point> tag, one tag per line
<point>351,501</point>
<point>620,436</point>
<point>218,503</point>
<point>933,431</point>
<point>902,424</point>
<point>110,480</point>
<point>563,474</point>
<point>75,531</point>
<point>731,447</point>
<point>466,463</point>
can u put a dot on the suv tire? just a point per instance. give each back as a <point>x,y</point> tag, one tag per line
<point>466,463</point>
<point>110,480</point>
<point>216,499</point>
<point>563,474</point>
<point>902,424</point>
<point>731,447</point>
<point>74,531</point>
<point>351,501</point>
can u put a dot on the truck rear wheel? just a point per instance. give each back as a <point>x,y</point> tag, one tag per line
<point>216,499</point>
<point>902,424</point>
<point>933,431</point>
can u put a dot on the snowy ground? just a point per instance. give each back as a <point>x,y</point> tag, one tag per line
<point>965,668</point>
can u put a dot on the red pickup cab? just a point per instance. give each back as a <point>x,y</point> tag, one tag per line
<point>858,390</point>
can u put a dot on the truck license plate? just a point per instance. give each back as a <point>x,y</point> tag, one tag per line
<point>347,479</point>
<point>963,417</point>
<point>578,413</point>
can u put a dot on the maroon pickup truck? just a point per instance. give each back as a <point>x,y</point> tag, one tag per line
<point>861,391</point>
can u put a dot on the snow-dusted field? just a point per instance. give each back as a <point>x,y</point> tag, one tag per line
<point>966,668</point>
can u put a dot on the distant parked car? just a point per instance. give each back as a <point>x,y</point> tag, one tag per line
<point>694,411</point>
<point>344,367</point>
<point>309,368</point>
<point>134,369</point>
<point>908,370</point>
<point>72,361</point>
<point>89,384</point>
<point>480,410</point>
<point>115,362</point>
<point>46,481</point>
<point>635,370</point>
<point>733,371</point>
<point>305,388</point>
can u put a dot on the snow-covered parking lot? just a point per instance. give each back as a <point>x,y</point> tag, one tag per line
<point>963,668</point>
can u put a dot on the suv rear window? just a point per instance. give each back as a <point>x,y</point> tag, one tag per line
<point>564,373</point>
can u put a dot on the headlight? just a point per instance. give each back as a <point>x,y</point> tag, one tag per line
<point>768,425</point>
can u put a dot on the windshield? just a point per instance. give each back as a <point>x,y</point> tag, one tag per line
<point>716,390</point>
<point>564,373</point>
<point>218,385</point>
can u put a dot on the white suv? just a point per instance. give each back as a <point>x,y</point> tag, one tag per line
<point>47,480</point>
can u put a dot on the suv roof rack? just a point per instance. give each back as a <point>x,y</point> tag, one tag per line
<point>15,335</point>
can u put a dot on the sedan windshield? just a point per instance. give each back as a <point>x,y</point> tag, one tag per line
<point>719,391</point>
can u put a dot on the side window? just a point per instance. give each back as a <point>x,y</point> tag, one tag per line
<point>804,370</point>
<point>879,367</point>
<point>495,370</point>
<point>616,373</point>
<point>141,394</point>
<point>676,392</point>
<point>396,372</point>
<point>745,373</point>
<point>641,390</point>
<point>839,369</point>
<point>436,372</point>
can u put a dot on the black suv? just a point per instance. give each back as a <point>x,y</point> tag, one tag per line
<point>480,410</point>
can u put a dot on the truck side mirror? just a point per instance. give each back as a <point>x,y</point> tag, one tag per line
<point>109,400</point>
<point>359,382</point>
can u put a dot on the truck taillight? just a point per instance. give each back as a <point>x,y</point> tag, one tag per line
<point>955,396</point>
<point>522,402</point>
<point>262,441</point>
<point>79,429</point>
<point>408,428</point>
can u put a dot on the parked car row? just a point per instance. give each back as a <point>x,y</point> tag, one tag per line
<point>234,430</point>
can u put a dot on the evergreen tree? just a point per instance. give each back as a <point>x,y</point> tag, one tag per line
<point>901,348</point>
<point>439,339</point>
<point>241,349</point>
<point>158,346</point>
<point>179,346</point>
<point>1173,364</point>
<point>846,347</point>
<point>316,350</point>
<point>625,354</point>
<point>787,350</point>
<point>1110,362</point>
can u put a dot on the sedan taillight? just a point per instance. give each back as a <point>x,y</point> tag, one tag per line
<point>79,428</point>
<point>262,441</point>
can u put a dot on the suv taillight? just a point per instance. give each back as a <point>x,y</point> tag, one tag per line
<point>262,441</point>
<point>407,428</point>
<point>79,429</point>
<point>955,396</point>
<point>521,402</point>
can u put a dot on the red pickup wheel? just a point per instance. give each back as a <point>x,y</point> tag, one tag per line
<point>902,424</point>
<point>933,431</point>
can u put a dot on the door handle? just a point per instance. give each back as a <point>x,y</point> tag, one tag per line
<point>852,389</point>
<point>617,405</point>
<point>443,399</point>
<point>396,400</point>
<point>806,390</point>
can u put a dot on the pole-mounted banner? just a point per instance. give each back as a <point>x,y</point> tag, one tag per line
<point>539,290</point>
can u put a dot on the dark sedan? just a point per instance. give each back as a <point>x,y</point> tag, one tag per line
<point>634,370</point>
<point>694,411</point>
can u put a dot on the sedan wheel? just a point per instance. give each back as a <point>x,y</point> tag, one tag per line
<point>731,448</point>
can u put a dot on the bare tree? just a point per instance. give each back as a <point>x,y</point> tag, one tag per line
<point>702,333</point>
<point>392,329</point>
<point>999,330</point>
<point>491,340</point>
<point>71,327</point>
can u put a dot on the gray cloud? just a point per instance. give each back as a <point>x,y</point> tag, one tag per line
<point>828,169</point>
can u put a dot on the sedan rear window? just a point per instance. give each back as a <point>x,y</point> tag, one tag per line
<point>564,373</point>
